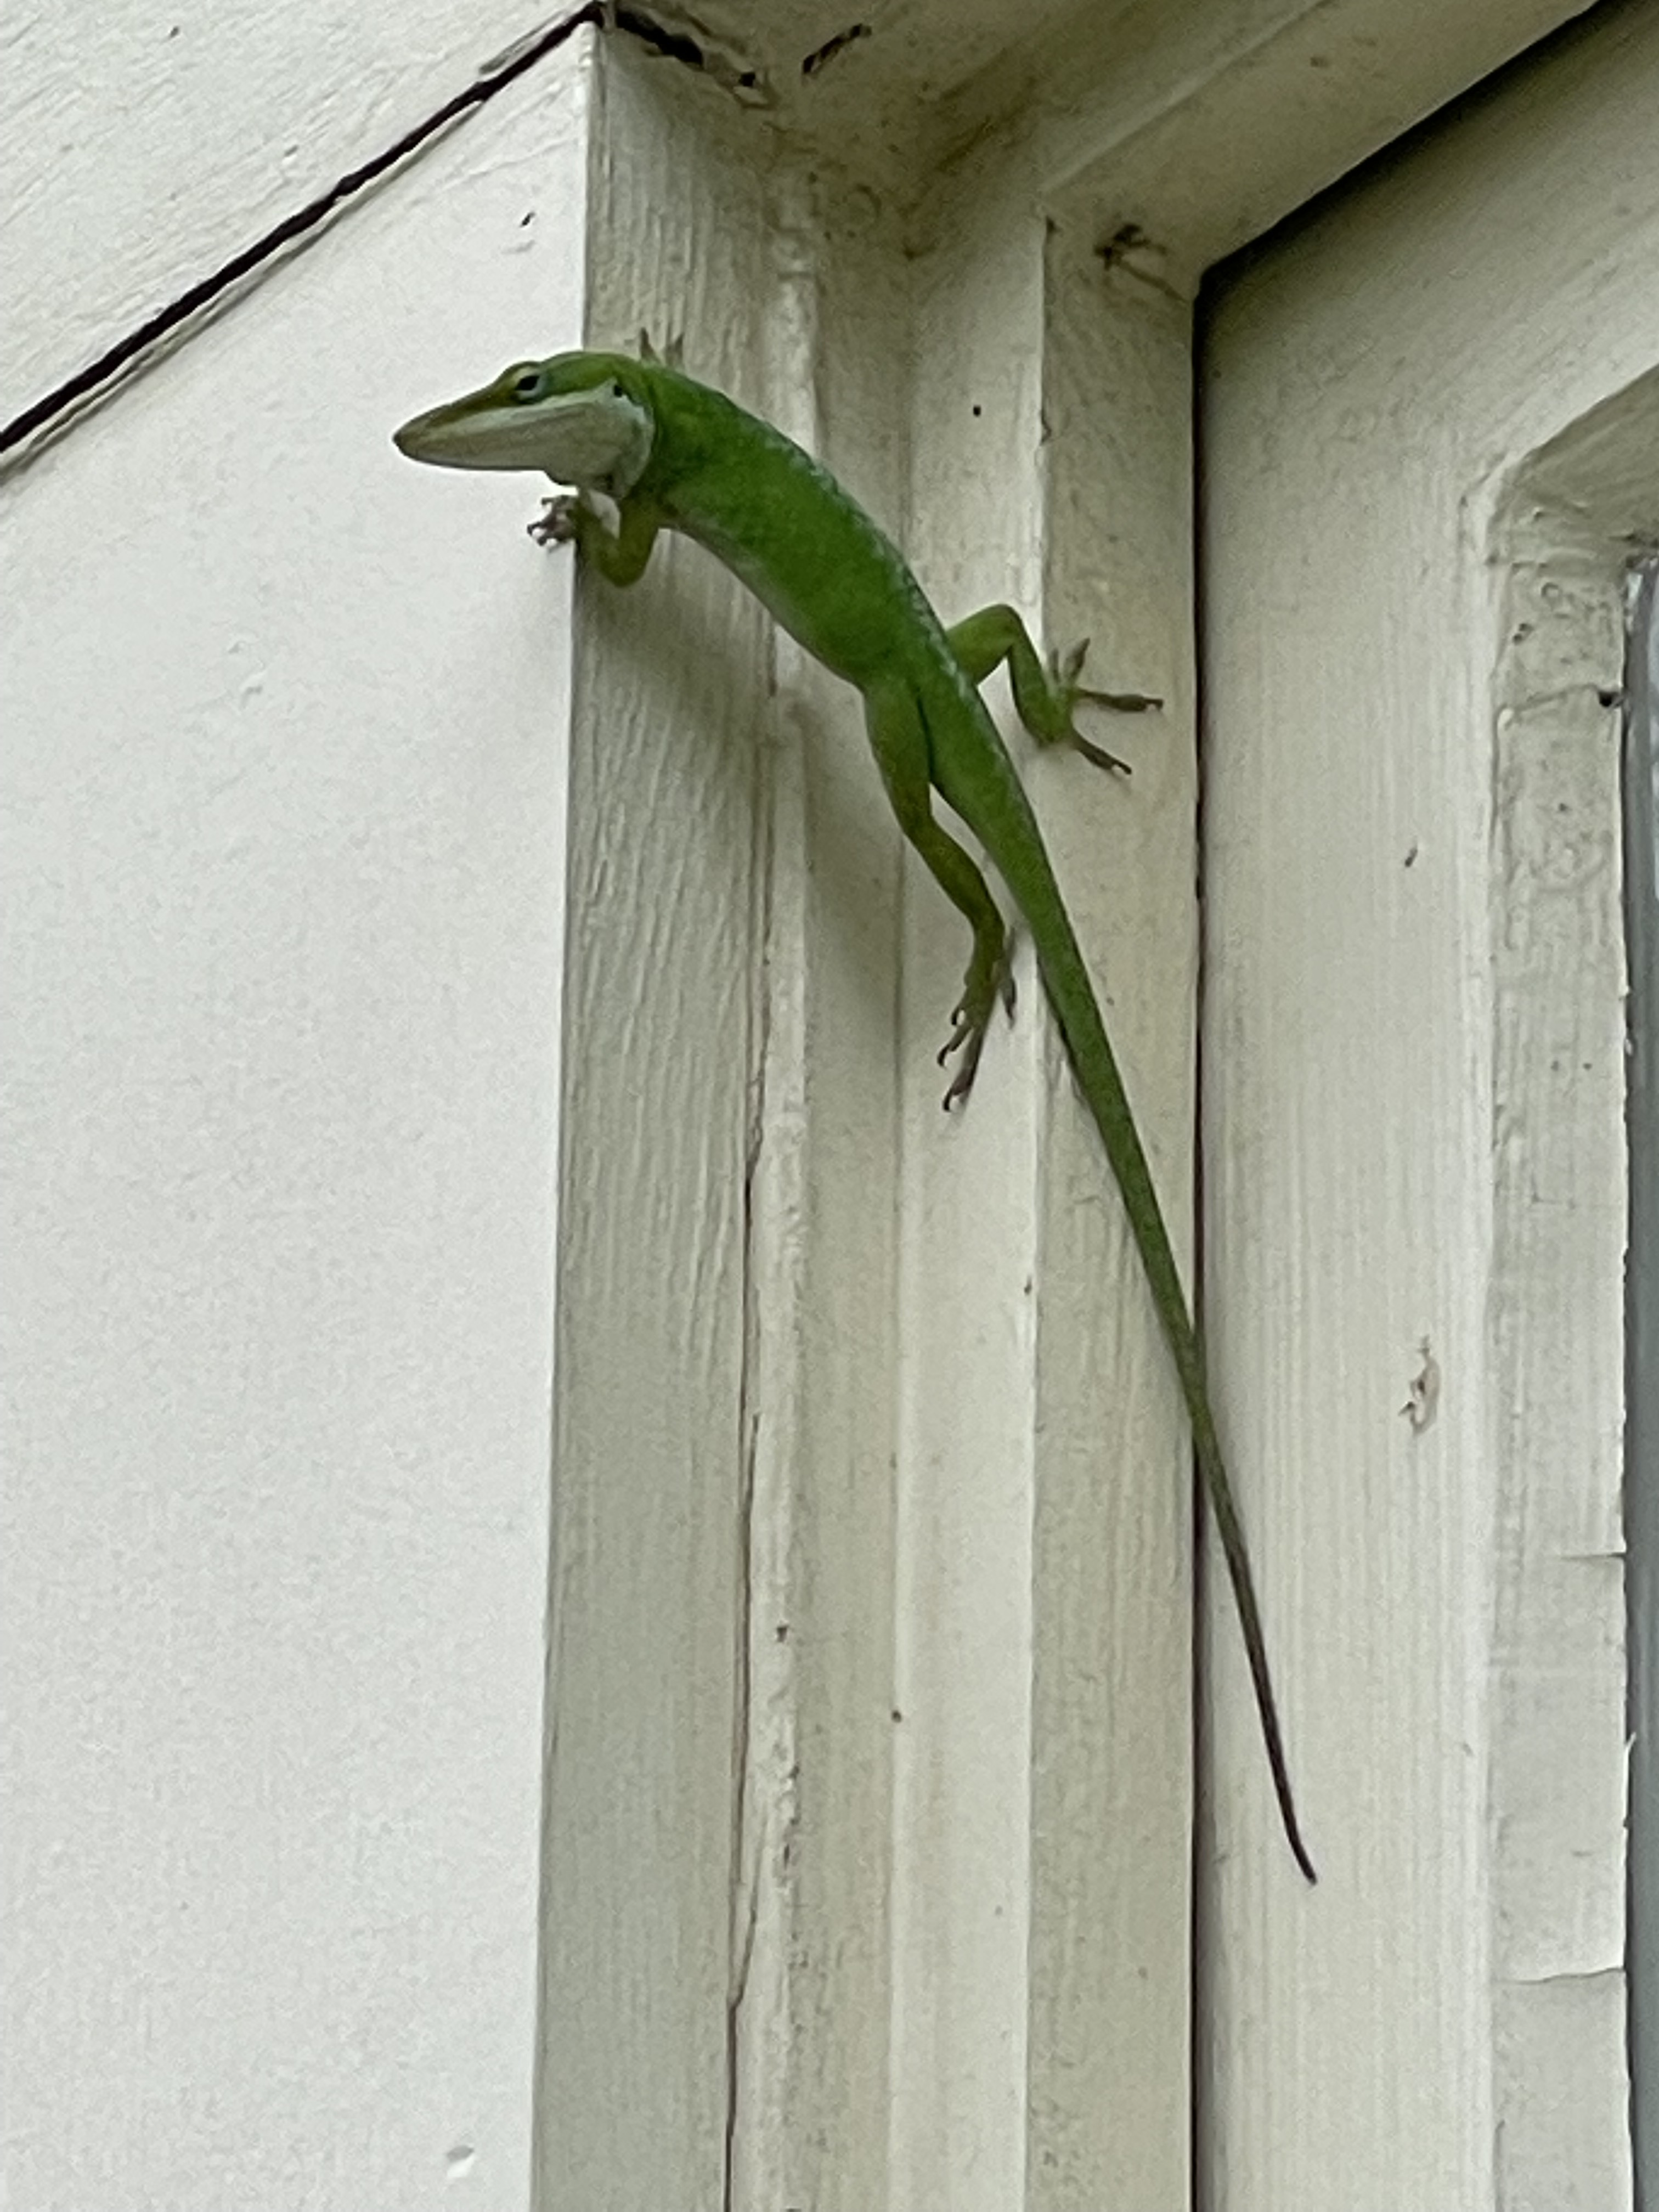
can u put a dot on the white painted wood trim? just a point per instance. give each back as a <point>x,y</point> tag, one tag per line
<point>956,1957</point>
<point>645,1931</point>
<point>1429,420</point>
<point>1556,1329</point>
<point>1641,849</point>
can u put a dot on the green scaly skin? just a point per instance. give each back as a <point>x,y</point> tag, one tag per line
<point>675,455</point>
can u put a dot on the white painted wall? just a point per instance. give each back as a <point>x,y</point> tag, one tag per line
<point>145,142</point>
<point>285,723</point>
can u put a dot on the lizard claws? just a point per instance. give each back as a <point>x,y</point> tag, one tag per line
<point>1064,669</point>
<point>970,1017</point>
<point>1099,755</point>
<point>969,1037</point>
<point>556,523</point>
<point>1121,703</point>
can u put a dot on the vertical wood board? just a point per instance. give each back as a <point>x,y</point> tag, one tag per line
<point>1415,1191</point>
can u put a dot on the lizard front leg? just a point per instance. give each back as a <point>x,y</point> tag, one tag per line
<point>1046,697</point>
<point>619,556</point>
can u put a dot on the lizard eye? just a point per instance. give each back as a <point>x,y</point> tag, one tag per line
<point>527,383</point>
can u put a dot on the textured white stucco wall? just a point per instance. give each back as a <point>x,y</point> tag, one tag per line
<point>283,802</point>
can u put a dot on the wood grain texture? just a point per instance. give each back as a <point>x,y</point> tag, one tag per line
<point>1640,851</point>
<point>966,1279</point>
<point>647,1669</point>
<point>1413,1058</point>
<point>814,2080</point>
<point>1112,1758</point>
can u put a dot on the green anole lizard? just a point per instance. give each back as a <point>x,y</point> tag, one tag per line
<point>672,455</point>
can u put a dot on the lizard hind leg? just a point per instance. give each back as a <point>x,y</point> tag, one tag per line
<point>898,738</point>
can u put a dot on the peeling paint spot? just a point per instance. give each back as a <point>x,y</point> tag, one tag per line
<point>1423,1394</point>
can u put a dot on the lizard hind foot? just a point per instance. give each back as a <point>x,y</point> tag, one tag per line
<point>970,1018</point>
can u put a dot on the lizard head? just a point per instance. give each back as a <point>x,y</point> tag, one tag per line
<point>584,418</point>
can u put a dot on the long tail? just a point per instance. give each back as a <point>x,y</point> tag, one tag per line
<point>1072,994</point>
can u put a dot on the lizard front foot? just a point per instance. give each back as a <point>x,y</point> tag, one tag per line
<point>556,525</point>
<point>1063,672</point>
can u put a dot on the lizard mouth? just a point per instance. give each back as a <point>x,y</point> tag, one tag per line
<point>596,440</point>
